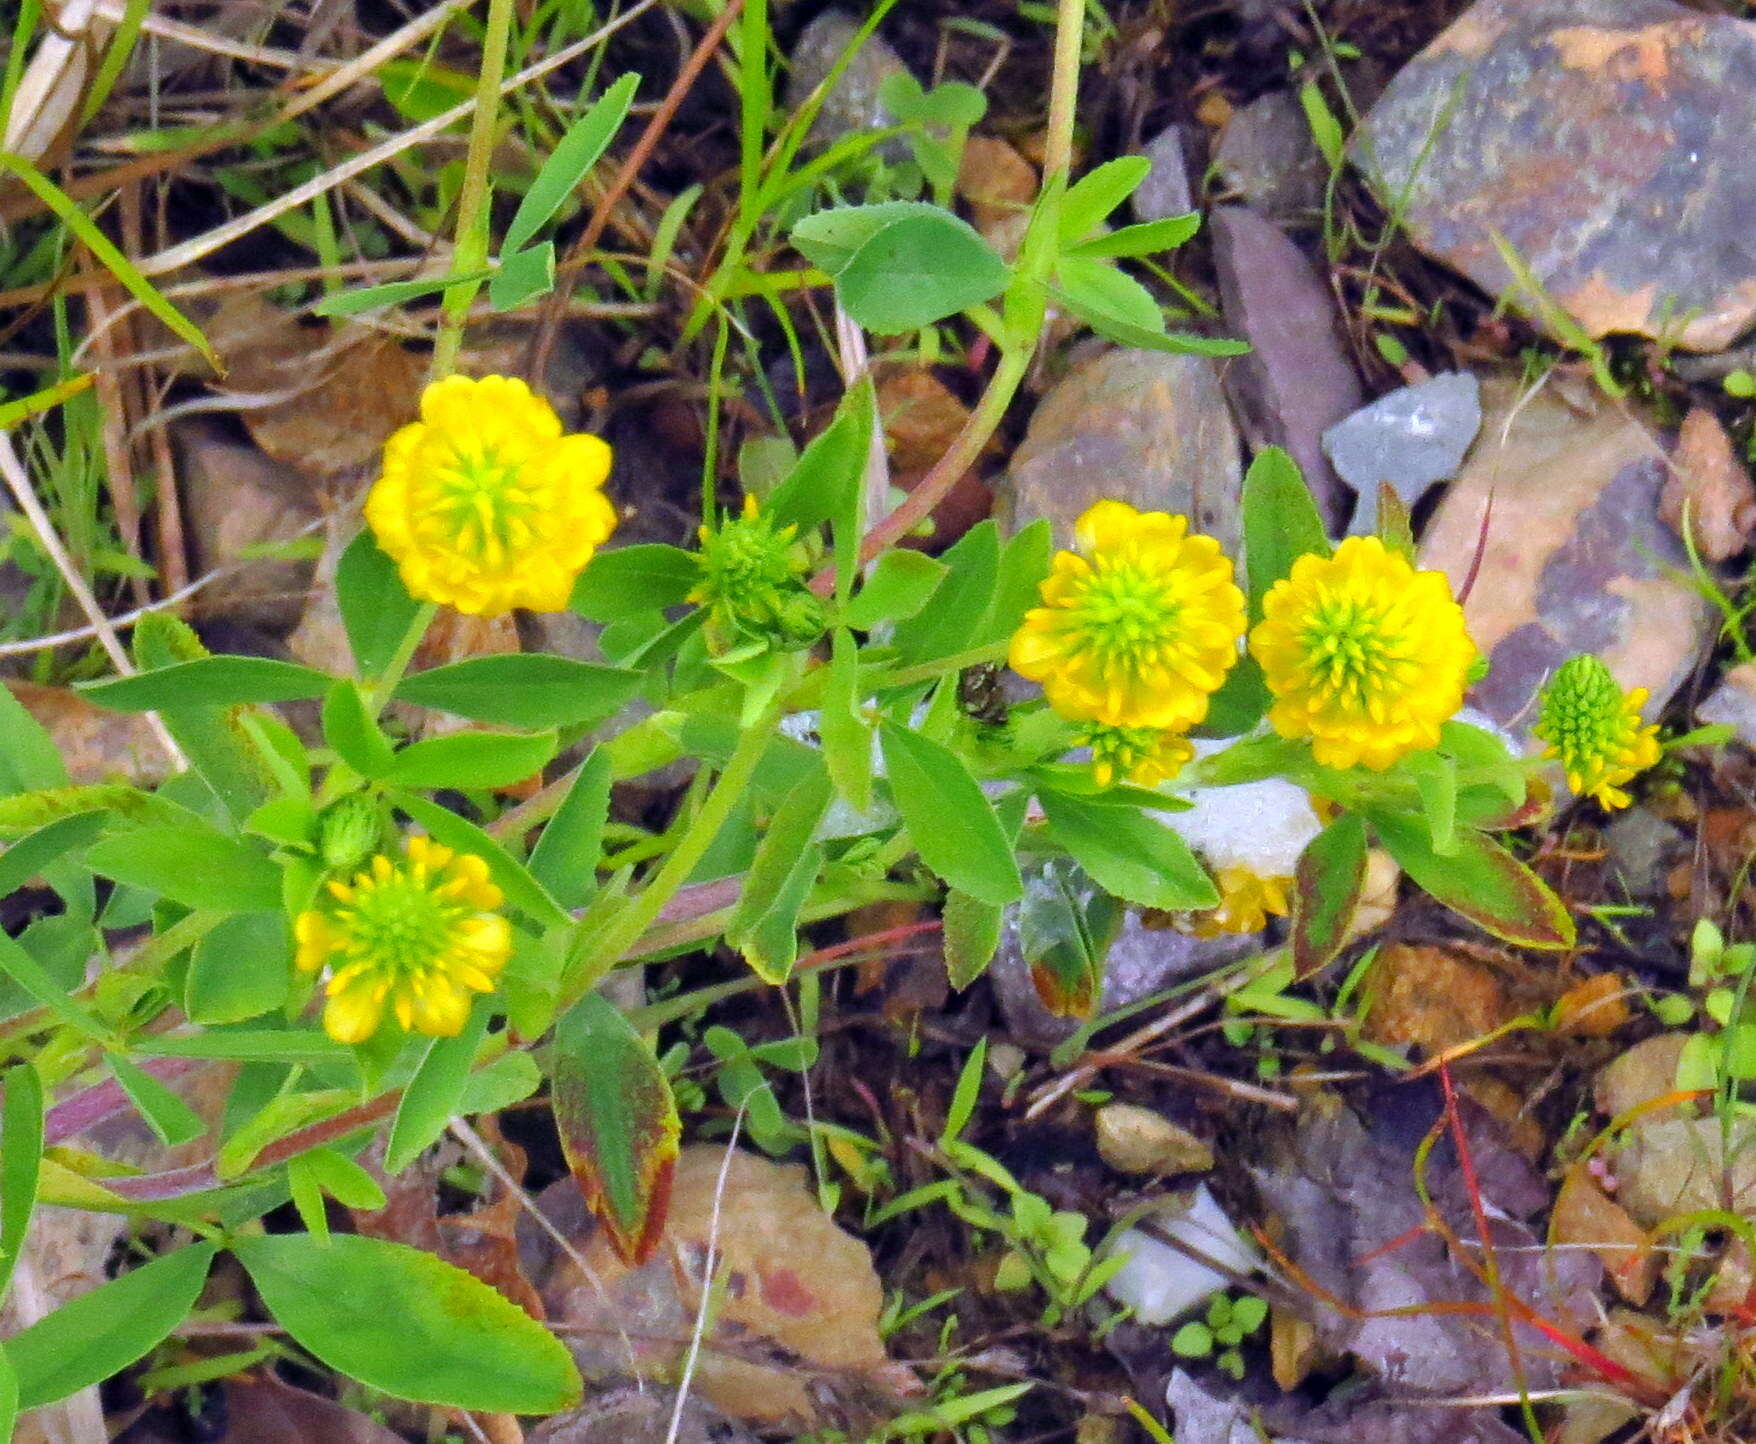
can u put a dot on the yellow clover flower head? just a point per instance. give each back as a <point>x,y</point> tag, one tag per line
<point>1138,626</point>
<point>753,579</point>
<point>485,505</point>
<point>1246,902</point>
<point>1145,756</point>
<point>1364,655</point>
<point>419,937</point>
<point>1593,727</point>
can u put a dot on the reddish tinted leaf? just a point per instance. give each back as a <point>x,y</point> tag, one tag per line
<point>1330,873</point>
<point>618,1123</point>
<point>1481,881</point>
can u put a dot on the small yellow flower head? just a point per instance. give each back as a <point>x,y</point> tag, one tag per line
<point>1364,655</point>
<point>753,579</point>
<point>1246,903</point>
<point>485,505</point>
<point>1138,627</point>
<point>1145,756</point>
<point>418,937</point>
<point>1593,727</point>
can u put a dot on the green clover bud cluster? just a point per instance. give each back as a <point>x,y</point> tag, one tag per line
<point>754,581</point>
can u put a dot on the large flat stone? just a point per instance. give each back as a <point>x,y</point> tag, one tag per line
<point>1575,558</point>
<point>1296,381</point>
<point>1607,141</point>
<point>1143,427</point>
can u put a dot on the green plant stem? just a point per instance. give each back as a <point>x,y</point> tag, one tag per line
<point>382,687</point>
<point>594,956</point>
<point>1036,261</point>
<point>471,253</point>
<point>1063,90</point>
<point>984,421</point>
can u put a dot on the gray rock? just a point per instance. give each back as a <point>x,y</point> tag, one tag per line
<point>1142,427</point>
<point>1267,157</point>
<point>1605,141</point>
<point>1297,381</point>
<point>1413,437</point>
<point>1140,962</point>
<point>1575,557</point>
<point>852,104</point>
<point>1733,703</point>
<point>1165,192</point>
<point>1641,849</point>
<point>237,499</point>
<point>1671,1166</point>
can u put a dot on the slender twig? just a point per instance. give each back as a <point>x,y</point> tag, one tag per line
<point>25,495</point>
<point>476,1144</point>
<point>709,1265</point>
<point>548,325</point>
<point>196,247</point>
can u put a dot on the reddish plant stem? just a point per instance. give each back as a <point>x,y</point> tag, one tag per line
<point>580,252</point>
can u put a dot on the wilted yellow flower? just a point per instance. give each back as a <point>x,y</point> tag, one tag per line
<point>1246,902</point>
<point>485,505</point>
<point>1593,727</point>
<point>1364,655</point>
<point>1138,627</point>
<point>1145,756</point>
<point>419,937</point>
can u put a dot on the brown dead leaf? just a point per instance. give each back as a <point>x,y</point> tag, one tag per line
<point>1594,1008</point>
<point>1433,998</point>
<point>1707,476</point>
<point>796,1301</point>
<point>265,1411</point>
<point>1585,1214</point>
<point>235,499</point>
<point>996,180</point>
<point>484,1242</point>
<point>322,398</point>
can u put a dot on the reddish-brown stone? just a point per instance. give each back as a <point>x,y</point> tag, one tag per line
<point>1607,142</point>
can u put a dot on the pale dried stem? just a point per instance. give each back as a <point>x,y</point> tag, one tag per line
<point>476,1144</point>
<point>708,1268</point>
<point>188,252</point>
<point>18,482</point>
<point>78,1419</point>
<point>214,44</point>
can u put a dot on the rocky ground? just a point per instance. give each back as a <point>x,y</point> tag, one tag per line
<point>1499,257</point>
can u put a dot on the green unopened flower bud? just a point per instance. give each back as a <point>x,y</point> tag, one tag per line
<point>753,580</point>
<point>803,619</point>
<point>349,830</point>
<point>1593,729</point>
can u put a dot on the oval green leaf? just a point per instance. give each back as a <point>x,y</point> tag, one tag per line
<point>949,820</point>
<point>1479,880</point>
<point>100,1333</point>
<point>240,969</point>
<point>376,609</point>
<point>1128,853</point>
<point>211,681</point>
<point>466,760</point>
<point>1327,884</point>
<point>627,581</point>
<point>198,867</point>
<point>409,1324</point>
<point>522,690</point>
<point>918,270</point>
